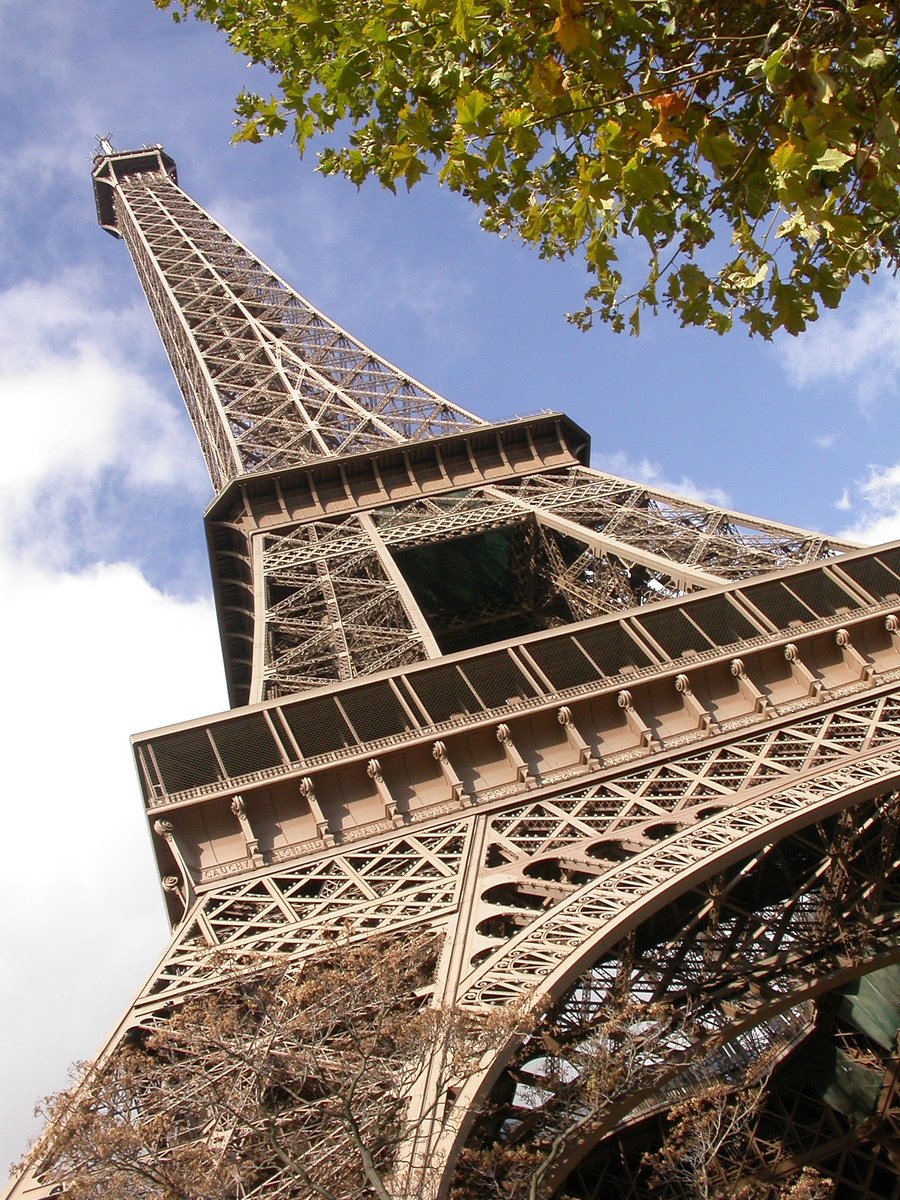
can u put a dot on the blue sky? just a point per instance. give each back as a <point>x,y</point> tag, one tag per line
<point>107,611</point>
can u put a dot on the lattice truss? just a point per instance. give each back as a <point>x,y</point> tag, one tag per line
<point>374,591</point>
<point>801,1121</point>
<point>745,882</point>
<point>268,380</point>
<point>771,963</point>
<point>551,871</point>
<point>748,881</point>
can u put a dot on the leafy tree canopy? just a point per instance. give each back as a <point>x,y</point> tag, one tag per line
<point>730,159</point>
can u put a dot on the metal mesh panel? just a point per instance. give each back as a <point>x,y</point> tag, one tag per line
<point>822,593</point>
<point>496,679</point>
<point>672,630</point>
<point>375,712</point>
<point>778,604</point>
<point>246,745</point>
<point>721,621</point>
<point>563,662</point>
<point>871,574</point>
<point>151,780</point>
<point>612,649</point>
<point>317,726</point>
<point>891,559</point>
<point>186,760</point>
<point>444,692</point>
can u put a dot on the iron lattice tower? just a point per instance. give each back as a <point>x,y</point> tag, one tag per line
<point>618,741</point>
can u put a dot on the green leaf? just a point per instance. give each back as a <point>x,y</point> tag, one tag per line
<point>644,180</point>
<point>829,287</point>
<point>571,32</point>
<point>377,33</point>
<point>825,86</point>
<point>302,14</point>
<point>546,79</point>
<point>745,277</point>
<point>832,160</point>
<point>793,307</point>
<point>775,71</point>
<point>407,164</point>
<point>346,77</point>
<point>868,55</point>
<point>475,112</point>
<point>249,132</point>
<point>465,18</point>
<point>718,148</point>
<point>870,12</point>
<point>790,157</point>
<point>304,128</point>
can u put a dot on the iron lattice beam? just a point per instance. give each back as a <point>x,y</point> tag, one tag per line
<point>595,738</point>
<point>269,381</point>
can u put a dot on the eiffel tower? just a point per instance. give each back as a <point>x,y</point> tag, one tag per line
<point>600,739</point>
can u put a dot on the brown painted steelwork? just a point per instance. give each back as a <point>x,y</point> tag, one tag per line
<point>618,737</point>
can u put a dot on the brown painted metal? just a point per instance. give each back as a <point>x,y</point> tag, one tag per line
<point>657,697</point>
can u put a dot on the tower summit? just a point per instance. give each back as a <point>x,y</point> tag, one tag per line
<point>268,380</point>
<point>614,750</point>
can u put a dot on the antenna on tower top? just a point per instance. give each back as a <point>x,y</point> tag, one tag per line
<point>104,143</point>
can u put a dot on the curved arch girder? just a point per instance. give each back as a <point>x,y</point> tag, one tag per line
<point>554,951</point>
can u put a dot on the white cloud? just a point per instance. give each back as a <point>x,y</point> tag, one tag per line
<point>76,414</point>
<point>859,344</point>
<point>875,503</point>
<point>645,471</point>
<point>70,402</point>
<point>825,441</point>
<point>91,654</point>
<point>95,656</point>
